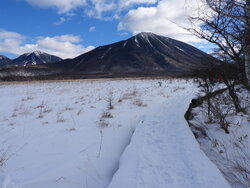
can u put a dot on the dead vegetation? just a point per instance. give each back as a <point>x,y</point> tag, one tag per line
<point>3,158</point>
<point>138,102</point>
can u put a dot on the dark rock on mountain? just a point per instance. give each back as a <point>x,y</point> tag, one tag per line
<point>144,53</point>
<point>34,58</point>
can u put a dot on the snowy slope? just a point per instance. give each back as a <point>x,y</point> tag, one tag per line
<point>164,153</point>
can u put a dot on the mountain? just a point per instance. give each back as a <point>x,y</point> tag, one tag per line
<point>34,58</point>
<point>4,60</point>
<point>145,53</point>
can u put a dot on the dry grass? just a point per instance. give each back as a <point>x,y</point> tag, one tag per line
<point>79,112</point>
<point>67,108</point>
<point>130,95</point>
<point>71,129</point>
<point>47,110</point>
<point>103,123</point>
<point>14,114</point>
<point>3,158</point>
<point>110,102</point>
<point>60,119</point>
<point>106,114</point>
<point>40,116</point>
<point>27,98</point>
<point>139,102</point>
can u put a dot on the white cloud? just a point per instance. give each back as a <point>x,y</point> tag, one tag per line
<point>157,16</point>
<point>97,8</point>
<point>92,29</point>
<point>64,46</point>
<point>165,18</point>
<point>63,6</point>
<point>111,9</point>
<point>127,3</point>
<point>93,8</point>
<point>61,21</point>
<point>10,41</point>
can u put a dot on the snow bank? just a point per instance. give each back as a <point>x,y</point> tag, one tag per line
<point>164,153</point>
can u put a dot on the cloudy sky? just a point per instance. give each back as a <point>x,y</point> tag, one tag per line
<point>68,28</point>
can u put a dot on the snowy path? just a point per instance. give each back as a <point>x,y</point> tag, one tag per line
<point>164,153</point>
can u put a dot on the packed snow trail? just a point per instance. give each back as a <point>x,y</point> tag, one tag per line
<point>164,153</point>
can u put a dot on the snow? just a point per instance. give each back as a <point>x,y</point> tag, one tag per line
<point>180,49</point>
<point>55,134</point>
<point>149,42</point>
<point>27,54</point>
<point>4,181</point>
<point>161,42</point>
<point>164,153</point>
<point>106,52</point>
<point>145,36</point>
<point>125,43</point>
<point>230,152</point>
<point>137,43</point>
<point>38,53</point>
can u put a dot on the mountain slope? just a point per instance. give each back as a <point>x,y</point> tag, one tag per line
<point>143,53</point>
<point>35,58</point>
<point>4,60</point>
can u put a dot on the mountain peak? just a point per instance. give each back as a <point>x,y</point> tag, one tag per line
<point>3,57</point>
<point>35,58</point>
<point>4,60</point>
<point>146,34</point>
<point>37,53</point>
<point>149,38</point>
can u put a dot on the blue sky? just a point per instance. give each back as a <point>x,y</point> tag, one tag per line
<point>68,28</point>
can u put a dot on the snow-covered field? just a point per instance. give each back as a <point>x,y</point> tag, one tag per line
<point>73,135</point>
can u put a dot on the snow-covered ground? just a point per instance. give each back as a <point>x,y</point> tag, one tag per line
<point>73,134</point>
<point>164,154</point>
<point>229,151</point>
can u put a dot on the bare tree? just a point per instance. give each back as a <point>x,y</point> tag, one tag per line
<point>226,23</point>
<point>206,86</point>
<point>229,73</point>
